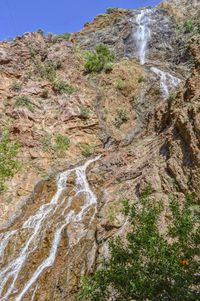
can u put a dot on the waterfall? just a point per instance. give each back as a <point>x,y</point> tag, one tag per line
<point>168,82</point>
<point>142,34</point>
<point>141,37</point>
<point>55,215</point>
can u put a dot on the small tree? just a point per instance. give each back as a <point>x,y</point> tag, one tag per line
<point>8,165</point>
<point>98,60</point>
<point>150,265</point>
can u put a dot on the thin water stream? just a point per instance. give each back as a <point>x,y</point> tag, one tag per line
<point>54,216</point>
<point>168,82</point>
<point>143,34</point>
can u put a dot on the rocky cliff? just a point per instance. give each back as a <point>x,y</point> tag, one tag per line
<point>90,140</point>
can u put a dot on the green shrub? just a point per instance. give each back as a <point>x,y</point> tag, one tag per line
<point>46,141</point>
<point>8,165</point>
<point>93,64</point>
<point>48,70</point>
<point>104,113</point>
<point>150,265</point>
<point>62,37</point>
<point>111,10</point>
<point>33,51</point>
<point>87,149</point>
<point>62,143</point>
<point>184,33</point>
<point>120,84</point>
<point>24,101</point>
<point>108,67</point>
<point>141,79</point>
<point>172,97</point>
<point>98,60</point>
<point>62,87</point>
<point>45,177</point>
<point>84,111</point>
<point>16,86</point>
<point>188,26</point>
<point>122,117</point>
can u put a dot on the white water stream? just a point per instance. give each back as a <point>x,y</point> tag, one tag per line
<point>55,215</point>
<point>167,81</point>
<point>143,34</point>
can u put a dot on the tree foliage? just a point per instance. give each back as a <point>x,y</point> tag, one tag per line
<point>150,265</point>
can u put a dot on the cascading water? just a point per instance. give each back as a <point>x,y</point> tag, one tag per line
<point>142,34</point>
<point>53,217</point>
<point>167,81</point>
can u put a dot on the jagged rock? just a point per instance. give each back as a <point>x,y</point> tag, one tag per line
<point>18,113</point>
<point>34,154</point>
<point>181,9</point>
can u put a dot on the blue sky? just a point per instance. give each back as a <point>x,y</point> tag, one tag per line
<point>57,16</point>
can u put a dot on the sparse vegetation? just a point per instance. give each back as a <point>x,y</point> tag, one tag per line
<point>188,26</point>
<point>114,208</point>
<point>48,69</point>
<point>8,164</point>
<point>108,67</point>
<point>172,97</point>
<point>62,144</point>
<point>24,101</point>
<point>122,117</point>
<point>141,79</point>
<point>84,111</point>
<point>87,149</point>
<point>45,177</point>
<point>111,10</point>
<point>149,265</point>
<point>16,86</point>
<point>62,37</point>
<point>47,143</point>
<point>120,84</point>
<point>33,51</point>
<point>184,33</point>
<point>100,59</point>
<point>105,113</point>
<point>58,144</point>
<point>62,87</point>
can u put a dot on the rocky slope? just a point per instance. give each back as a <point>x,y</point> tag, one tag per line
<point>55,225</point>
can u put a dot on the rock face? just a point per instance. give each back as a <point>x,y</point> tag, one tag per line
<point>123,32</point>
<point>68,208</point>
<point>182,9</point>
<point>61,208</point>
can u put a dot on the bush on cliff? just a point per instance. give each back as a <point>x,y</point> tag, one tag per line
<point>24,101</point>
<point>8,164</point>
<point>98,60</point>
<point>62,144</point>
<point>149,265</point>
<point>63,87</point>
